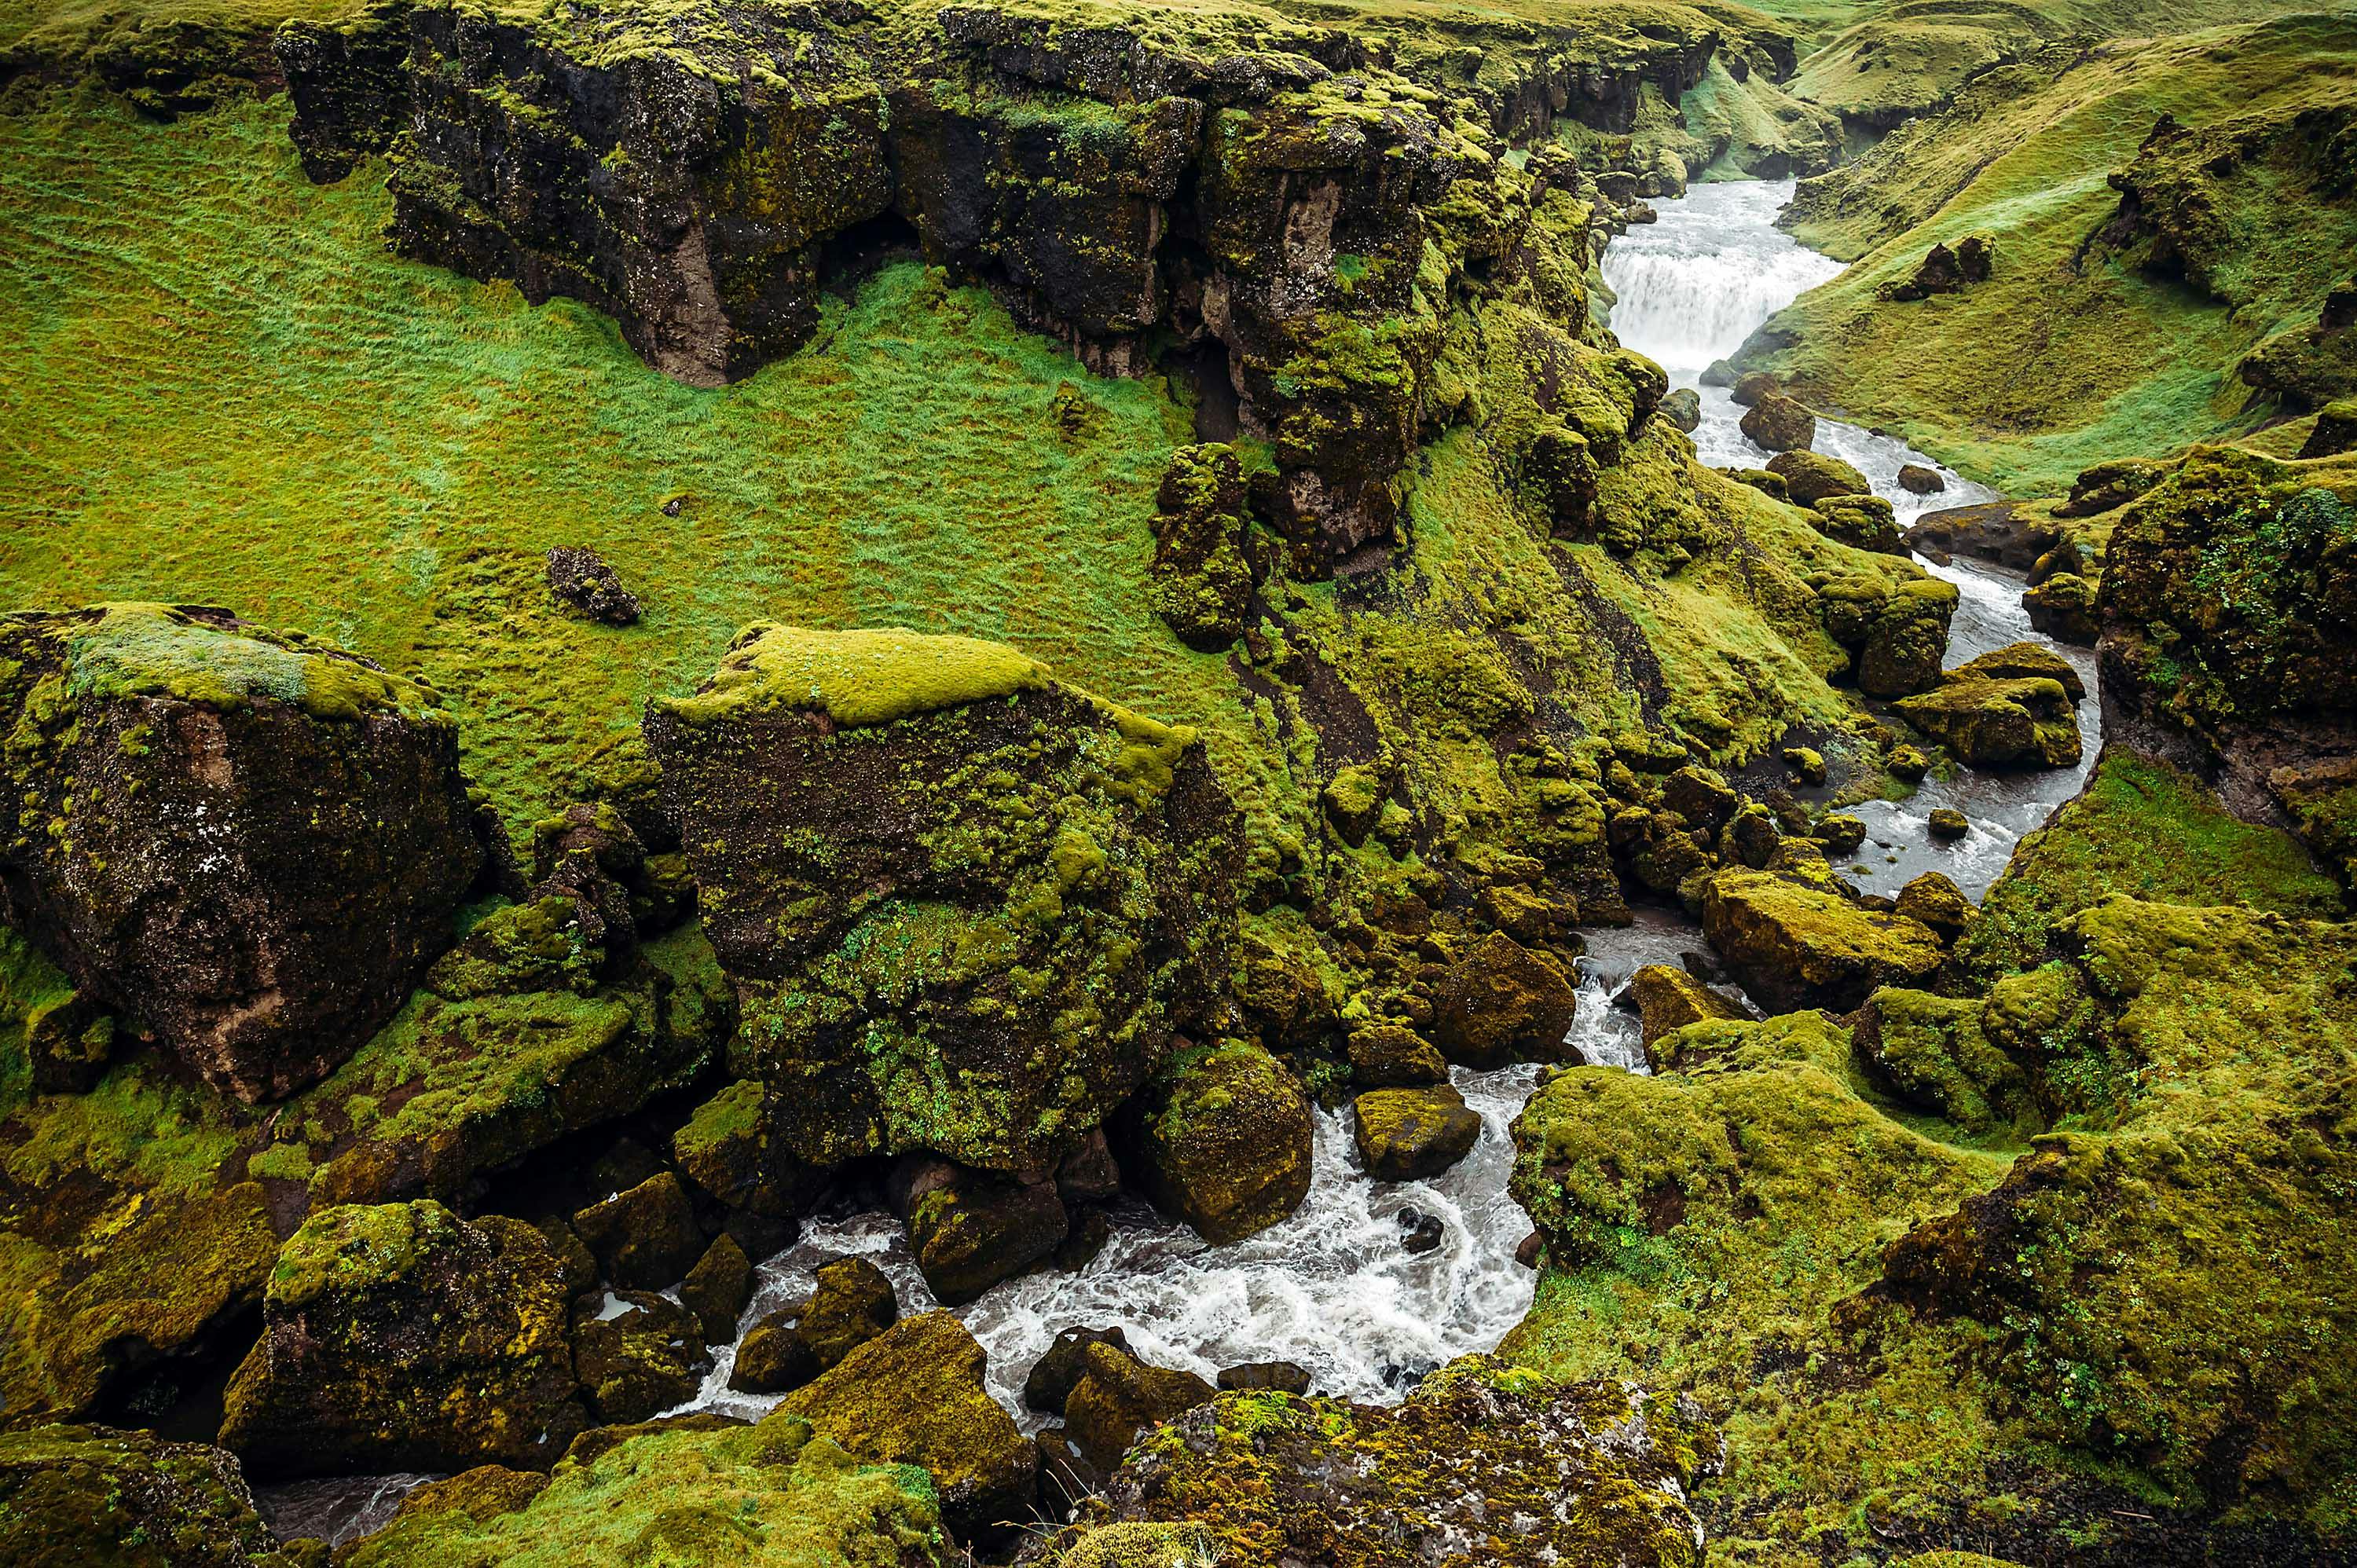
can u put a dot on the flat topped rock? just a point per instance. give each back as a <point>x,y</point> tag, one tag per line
<point>856,678</point>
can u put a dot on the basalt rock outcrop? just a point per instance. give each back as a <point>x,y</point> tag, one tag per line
<point>966,907</point>
<point>244,844</point>
<point>1298,201</point>
<point>401,1337</point>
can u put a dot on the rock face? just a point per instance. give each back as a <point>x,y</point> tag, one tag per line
<point>1203,584</point>
<point>1591,1473</point>
<point>1796,946</point>
<point>696,179</point>
<point>1780,424</point>
<point>966,907</point>
<point>2019,723</point>
<point>94,1496</point>
<point>246,845</point>
<point>1221,1139</point>
<point>913,1395</point>
<point>401,1337</point>
<point>1409,1134</point>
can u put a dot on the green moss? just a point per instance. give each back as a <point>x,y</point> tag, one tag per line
<point>770,1496</point>
<point>133,650</point>
<point>857,677</point>
<point>2140,827</point>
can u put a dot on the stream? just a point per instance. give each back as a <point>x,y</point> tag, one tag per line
<point>1332,1288</point>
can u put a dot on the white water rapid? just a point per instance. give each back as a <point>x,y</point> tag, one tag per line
<point>1690,288</point>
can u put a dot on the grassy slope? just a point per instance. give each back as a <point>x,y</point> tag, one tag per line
<point>2047,368</point>
<point>237,396</point>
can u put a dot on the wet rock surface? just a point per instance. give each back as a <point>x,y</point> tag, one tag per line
<point>244,845</point>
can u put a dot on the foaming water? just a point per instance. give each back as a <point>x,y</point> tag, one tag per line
<point>1692,287</point>
<point>1330,1288</point>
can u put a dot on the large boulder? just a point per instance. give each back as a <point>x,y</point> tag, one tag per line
<point>2024,662</point>
<point>1780,424</point>
<point>1118,1397</point>
<point>1221,1139</point>
<point>1501,1002</point>
<point>401,1337</point>
<point>1796,946</point>
<point>1410,1135</point>
<point>1812,476</point>
<point>1593,1472</point>
<point>645,1237</point>
<point>2022,722</point>
<point>244,844</point>
<point>636,1353</point>
<point>972,1228</point>
<point>1668,999</point>
<point>97,1498</point>
<point>966,906</point>
<point>1898,632</point>
<point>914,1395</point>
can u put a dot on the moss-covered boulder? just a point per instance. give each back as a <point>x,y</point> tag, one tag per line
<point>1501,1002</point>
<point>718,1288</point>
<point>1590,1473</point>
<point>1932,1052</point>
<point>1796,946</point>
<point>769,1496</point>
<point>2025,722</point>
<point>972,1228</point>
<point>1933,899</point>
<point>90,1496</point>
<point>1898,634</point>
<point>1811,478</point>
<point>245,844</point>
<point>966,906</point>
<point>1863,523</point>
<point>1668,999</point>
<point>730,1152</point>
<point>2024,662</point>
<point>914,1395</point>
<point>637,1354</point>
<point>645,1237</point>
<point>2335,431</point>
<point>1409,1134</point>
<point>1117,1398</point>
<point>401,1337</point>
<point>1221,1139</point>
<point>1779,424</point>
<point>1393,1055</point>
<point>2063,607</point>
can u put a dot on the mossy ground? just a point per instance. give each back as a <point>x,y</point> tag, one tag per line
<point>2069,354</point>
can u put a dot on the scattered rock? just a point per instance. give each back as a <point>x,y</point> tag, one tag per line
<point>2107,487</point>
<point>1501,1002</point>
<point>972,1228</point>
<point>637,1354</point>
<point>1760,479</point>
<point>2023,661</point>
<point>401,1337</point>
<point>1780,424</point>
<point>1935,900</point>
<point>2063,607</point>
<point>1948,824</point>
<point>1808,764</point>
<point>1683,408</point>
<point>851,1302</point>
<point>718,1288</point>
<point>1840,833</point>
<point>1701,796</point>
<point>1720,373</point>
<point>1747,389</point>
<point>1392,1056</point>
<point>1409,1134</point>
<point>1991,724</point>
<point>1863,523</point>
<point>1899,632</point>
<point>1119,1397</point>
<point>580,579</point>
<point>243,843</point>
<point>1812,477</point>
<point>774,1358</point>
<point>727,1150</point>
<point>1223,1136</point>
<point>1750,837</point>
<point>1668,999</point>
<point>914,1395</point>
<point>1419,1233</point>
<point>2335,432</point>
<point>1908,763</point>
<point>1277,1377</point>
<point>1945,271</point>
<point>1796,946</point>
<point>646,1238</point>
<point>1918,480</point>
<point>1051,1379</point>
